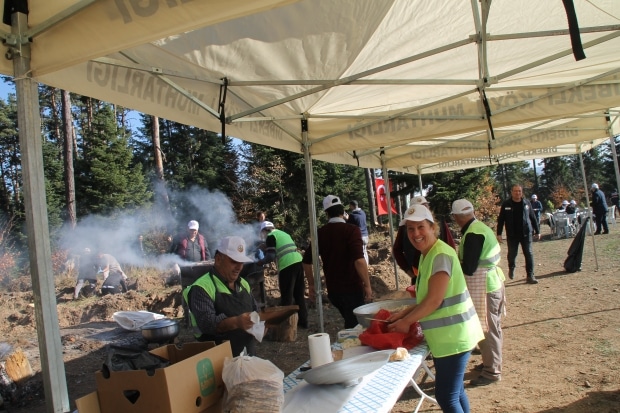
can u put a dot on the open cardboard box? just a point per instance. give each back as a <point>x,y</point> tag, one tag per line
<point>191,384</point>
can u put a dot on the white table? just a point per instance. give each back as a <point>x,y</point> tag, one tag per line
<point>378,391</point>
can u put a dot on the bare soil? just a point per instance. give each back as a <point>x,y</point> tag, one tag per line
<point>561,345</point>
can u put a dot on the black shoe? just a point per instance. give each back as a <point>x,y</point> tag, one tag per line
<point>605,232</point>
<point>511,273</point>
<point>479,367</point>
<point>597,233</point>
<point>482,381</point>
<point>532,280</point>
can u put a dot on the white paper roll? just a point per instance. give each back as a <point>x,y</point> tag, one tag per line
<point>320,349</point>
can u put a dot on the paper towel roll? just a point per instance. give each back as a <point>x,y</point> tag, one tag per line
<point>320,349</point>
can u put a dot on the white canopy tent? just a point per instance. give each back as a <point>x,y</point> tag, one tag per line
<point>334,80</point>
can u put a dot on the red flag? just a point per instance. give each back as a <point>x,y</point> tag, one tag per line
<point>382,198</point>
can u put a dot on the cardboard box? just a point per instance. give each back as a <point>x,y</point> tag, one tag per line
<point>191,384</point>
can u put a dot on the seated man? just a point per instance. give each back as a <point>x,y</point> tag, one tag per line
<point>572,207</point>
<point>220,302</point>
<point>114,279</point>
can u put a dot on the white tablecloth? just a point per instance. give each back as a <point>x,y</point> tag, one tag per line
<point>378,391</point>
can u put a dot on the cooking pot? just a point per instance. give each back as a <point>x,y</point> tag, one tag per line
<point>160,331</point>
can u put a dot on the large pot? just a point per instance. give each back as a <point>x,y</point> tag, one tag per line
<point>160,331</point>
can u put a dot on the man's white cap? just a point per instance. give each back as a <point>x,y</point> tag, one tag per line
<point>192,224</point>
<point>329,201</point>
<point>417,213</point>
<point>573,202</point>
<point>266,225</point>
<point>594,186</point>
<point>462,206</point>
<point>234,247</point>
<point>418,200</point>
<point>565,202</point>
<point>534,196</point>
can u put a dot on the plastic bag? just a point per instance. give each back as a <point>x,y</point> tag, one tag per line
<point>252,385</point>
<point>134,320</point>
<point>377,335</point>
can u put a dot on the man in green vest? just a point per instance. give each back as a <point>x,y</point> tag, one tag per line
<point>479,254</point>
<point>220,302</point>
<point>281,248</point>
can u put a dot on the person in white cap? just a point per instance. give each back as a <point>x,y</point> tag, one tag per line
<point>537,207</point>
<point>479,255</point>
<point>571,208</point>
<point>444,310</point>
<point>517,215</point>
<point>280,246</point>
<point>220,302</point>
<point>193,246</point>
<point>563,206</point>
<point>599,208</point>
<point>344,266</point>
<point>406,256</point>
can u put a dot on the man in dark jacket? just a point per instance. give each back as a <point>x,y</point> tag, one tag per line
<point>520,221</point>
<point>599,208</point>
<point>358,217</point>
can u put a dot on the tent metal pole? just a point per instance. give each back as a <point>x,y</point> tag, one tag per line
<point>612,143</point>
<point>314,236</point>
<point>41,271</point>
<point>386,182</point>
<point>585,185</point>
<point>419,180</point>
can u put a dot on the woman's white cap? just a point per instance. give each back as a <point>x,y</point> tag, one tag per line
<point>417,213</point>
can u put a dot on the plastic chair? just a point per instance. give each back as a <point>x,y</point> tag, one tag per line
<point>561,224</point>
<point>611,215</point>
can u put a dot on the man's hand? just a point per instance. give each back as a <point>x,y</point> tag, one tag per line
<point>367,293</point>
<point>539,236</point>
<point>244,321</point>
<point>499,238</point>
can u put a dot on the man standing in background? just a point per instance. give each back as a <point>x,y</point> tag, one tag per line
<point>599,207</point>
<point>358,217</point>
<point>344,266</point>
<point>518,216</point>
<point>193,246</point>
<point>537,207</point>
<point>479,254</point>
<point>281,247</point>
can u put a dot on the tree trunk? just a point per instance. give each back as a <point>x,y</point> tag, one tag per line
<point>160,185</point>
<point>68,155</point>
<point>369,174</point>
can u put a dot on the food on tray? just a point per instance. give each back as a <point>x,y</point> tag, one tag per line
<point>400,354</point>
<point>350,342</point>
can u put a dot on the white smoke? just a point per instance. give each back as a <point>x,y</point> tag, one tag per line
<point>118,236</point>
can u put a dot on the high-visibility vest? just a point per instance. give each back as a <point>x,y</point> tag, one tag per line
<point>454,327</point>
<point>490,255</point>
<point>286,250</point>
<point>211,285</point>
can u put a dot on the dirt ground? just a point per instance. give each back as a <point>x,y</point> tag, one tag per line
<point>561,345</point>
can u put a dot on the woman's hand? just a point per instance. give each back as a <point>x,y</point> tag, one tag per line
<point>399,326</point>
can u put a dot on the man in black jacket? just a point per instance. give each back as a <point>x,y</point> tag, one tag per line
<point>520,221</point>
<point>599,207</point>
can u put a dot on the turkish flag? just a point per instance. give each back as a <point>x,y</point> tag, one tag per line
<point>382,198</point>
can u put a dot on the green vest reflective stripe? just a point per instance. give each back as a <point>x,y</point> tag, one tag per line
<point>489,256</point>
<point>211,285</point>
<point>286,250</point>
<point>457,299</point>
<point>454,327</point>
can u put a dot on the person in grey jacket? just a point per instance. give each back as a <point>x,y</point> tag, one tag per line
<point>520,221</point>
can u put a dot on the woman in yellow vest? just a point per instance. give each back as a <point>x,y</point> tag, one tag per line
<point>444,309</point>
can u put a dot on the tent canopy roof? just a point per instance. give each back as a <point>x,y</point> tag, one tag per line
<point>416,77</point>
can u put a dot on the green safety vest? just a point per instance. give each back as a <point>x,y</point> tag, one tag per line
<point>490,255</point>
<point>211,285</point>
<point>454,327</point>
<point>286,250</point>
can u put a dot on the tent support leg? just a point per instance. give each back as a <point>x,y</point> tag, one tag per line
<point>386,182</point>
<point>585,185</point>
<point>313,223</point>
<point>41,271</point>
